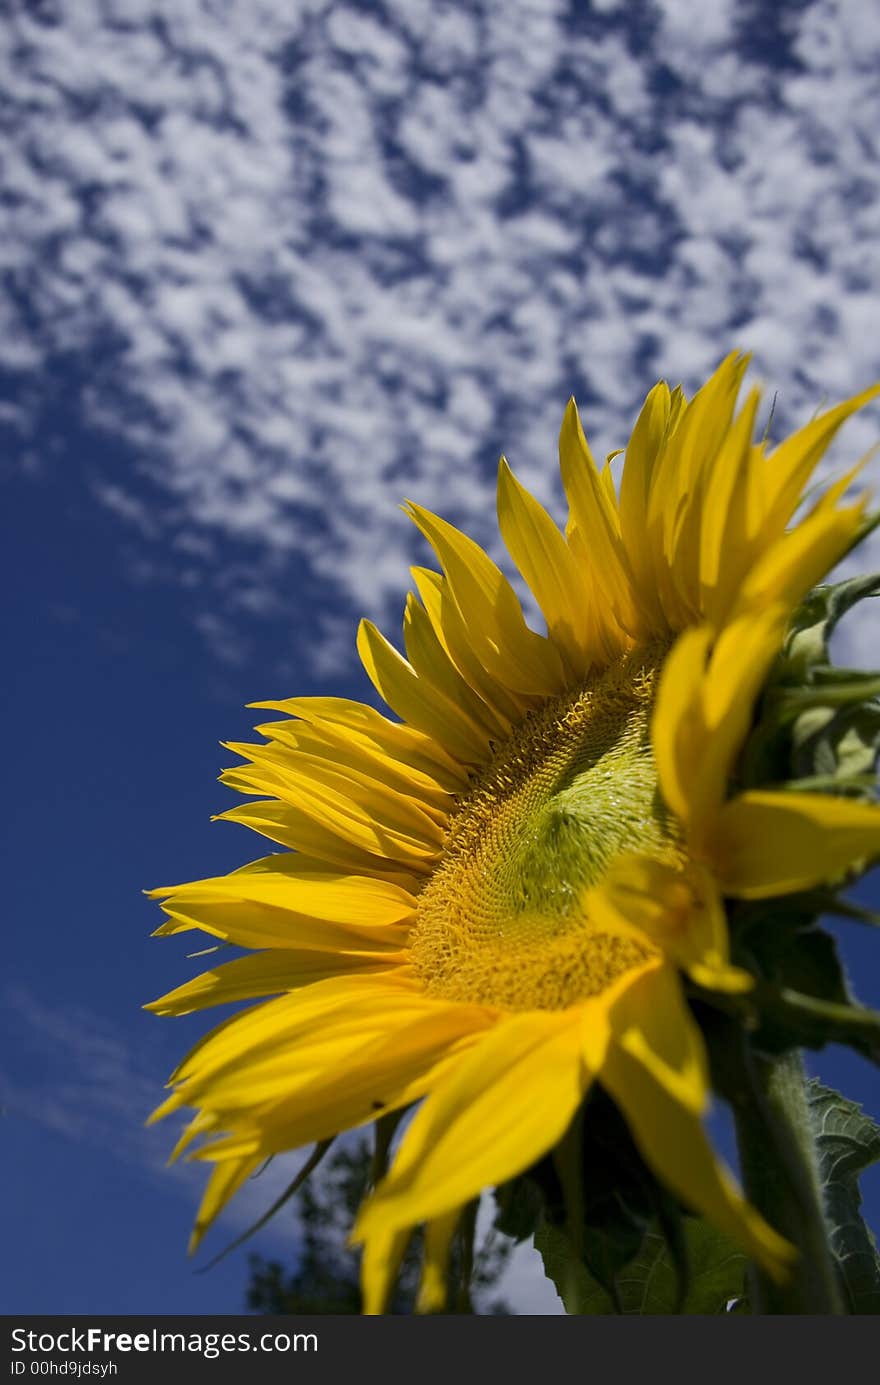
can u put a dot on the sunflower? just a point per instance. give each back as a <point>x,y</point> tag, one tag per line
<point>493,902</point>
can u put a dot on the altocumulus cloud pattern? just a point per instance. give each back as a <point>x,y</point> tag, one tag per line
<point>307,259</point>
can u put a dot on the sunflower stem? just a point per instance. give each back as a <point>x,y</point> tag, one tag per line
<point>780,1171</point>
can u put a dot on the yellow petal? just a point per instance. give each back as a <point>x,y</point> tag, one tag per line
<point>681,482</point>
<point>283,768</point>
<point>595,518</point>
<point>704,710</point>
<point>416,701</point>
<point>501,707</point>
<point>316,911</point>
<point>504,644</point>
<point>656,1074</point>
<point>789,568</point>
<point>381,1262</point>
<point>350,1067</point>
<point>335,715</point>
<point>433,665</point>
<point>342,746</point>
<point>505,1104</point>
<point>202,1124</point>
<point>677,731</point>
<point>259,926</point>
<point>731,514</point>
<point>791,464</point>
<point>607,635</point>
<point>642,452</point>
<point>291,827</point>
<point>268,973</point>
<point>264,1027</point>
<point>307,887</point>
<point>224,1183</point>
<point>359,809</point>
<point>432,1293</point>
<point>650,1021</point>
<point>766,843</point>
<point>547,565</point>
<point>677,907</point>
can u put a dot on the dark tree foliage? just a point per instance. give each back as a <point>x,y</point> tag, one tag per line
<point>326,1276</point>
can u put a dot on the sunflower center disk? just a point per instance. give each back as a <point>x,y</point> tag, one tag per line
<point>502,920</point>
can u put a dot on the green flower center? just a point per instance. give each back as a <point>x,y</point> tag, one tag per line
<point>502,919</point>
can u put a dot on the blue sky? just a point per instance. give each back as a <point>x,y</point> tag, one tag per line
<point>266,269</point>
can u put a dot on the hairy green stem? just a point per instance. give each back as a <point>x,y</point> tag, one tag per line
<point>781,1175</point>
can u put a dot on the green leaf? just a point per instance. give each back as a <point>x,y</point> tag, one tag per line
<point>612,1236</point>
<point>805,960</point>
<point>620,1194</point>
<point>518,1208</point>
<point>848,1142</point>
<point>579,1291</point>
<point>839,742</point>
<point>817,725</point>
<point>802,995</point>
<point>650,1282</point>
<point>815,619</point>
<point>716,1273</point>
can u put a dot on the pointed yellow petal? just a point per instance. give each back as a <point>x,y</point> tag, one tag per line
<point>546,562</point>
<point>381,1262</point>
<point>262,925</point>
<point>595,517</point>
<point>416,701</point>
<point>650,1020</point>
<point>765,843</point>
<point>202,1124</point>
<point>675,503</point>
<point>791,464</point>
<point>268,973</point>
<point>656,1074</point>
<point>433,665</point>
<point>343,747</point>
<point>676,907</point>
<point>335,715</point>
<point>435,1266</point>
<point>361,809</point>
<point>691,460</point>
<point>642,451</point>
<point>263,1027</point>
<point>504,644</point>
<point>733,502</point>
<point>704,709</point>
<point>501,707</point>
<point>405,1051</point>
<point>677,733</point>
<point>287,1093</point>
<point>224,1183</point>
<point>504,1105</point>
<point>352,1065</point>
<point>801,558</point>
<point>309,888</point>
<point>291,827</point>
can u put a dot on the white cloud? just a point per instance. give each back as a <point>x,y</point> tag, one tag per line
<point>327,259</point>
